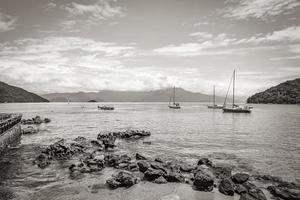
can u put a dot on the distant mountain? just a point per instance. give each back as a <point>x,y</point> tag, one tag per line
<point>284,93</point>
<point>133,96</point>
<point>11,94</point>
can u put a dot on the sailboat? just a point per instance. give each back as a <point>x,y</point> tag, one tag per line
<point>172,103</point>
<point>215,106</point>
<point>235,108</point>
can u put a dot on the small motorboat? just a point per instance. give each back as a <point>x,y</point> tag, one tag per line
<point>106,108</point>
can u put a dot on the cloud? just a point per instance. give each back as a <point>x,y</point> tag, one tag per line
<point>69,64</point>
<point>259,9</point>
<point>68,26</point>
<point>290,34</point>
<point>7,22</point>
<point>208,44</point>
<point>101,10</point>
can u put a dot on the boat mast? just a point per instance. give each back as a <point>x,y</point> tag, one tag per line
<point>214,97</point>
<point>174,96</point>
<point>233,88</point>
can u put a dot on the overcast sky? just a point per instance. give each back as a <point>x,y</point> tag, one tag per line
<point>91,45</point>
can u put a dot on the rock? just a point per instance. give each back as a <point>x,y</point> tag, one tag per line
<point>108,140</point>
<point>96,143</point>
<point>140,157</point>
<point>58,150</point>
<point>226,187</point>
<point>29,130</point>
<point>203,180</point>
<point>175,177</point>
<point>133,167</point>
<point>240,189</point>
<point>257,194</point>
<point>82,141</point>
<point>143,165</point>
<point>122,179</point>
<point>152,174</point>
<point>47,120</point>
<point>240,178</point>
<point>221,171</point>
<point>284,192</point>
<point>186,168</point>
<point>113,160</point>
<point>158,166</point>
<point>112,183</point>
<point>204,161</point>
<point>43,160</point>
<point>269,178</point>
<point>248,186</point>
<point>158,160</point>
<point>27,121</point>
<point>131,134</point>
<point>37,120</point>
<point>246,196</point>
<point>147,142</point>
<point>253,194</point>
<point>160,180</point>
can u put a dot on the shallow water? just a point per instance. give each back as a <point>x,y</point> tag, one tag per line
<point>266,141</point>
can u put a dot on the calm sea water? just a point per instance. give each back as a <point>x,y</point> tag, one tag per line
<point>266,141</point>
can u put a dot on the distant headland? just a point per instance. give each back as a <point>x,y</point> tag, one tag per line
<point>12,94</point>
<point>285,93</point>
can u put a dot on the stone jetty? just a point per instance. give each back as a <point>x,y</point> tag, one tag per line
<point>204,175</point>
<point>10,130</point>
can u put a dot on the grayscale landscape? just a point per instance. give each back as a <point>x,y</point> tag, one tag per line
<point>149,100</point>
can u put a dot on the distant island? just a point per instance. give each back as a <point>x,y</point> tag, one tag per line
<point>12,94</point>
<point>284,93</point>
<point>92,101</point>
<point>162,95</point>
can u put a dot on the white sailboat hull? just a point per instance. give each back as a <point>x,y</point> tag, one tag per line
<point>215,106</point>
<point>237,110</point>
<point>174,107</point>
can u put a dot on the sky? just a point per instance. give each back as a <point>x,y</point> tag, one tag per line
<point>51,46</point>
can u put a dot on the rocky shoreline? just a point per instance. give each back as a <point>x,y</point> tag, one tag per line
<point>91,156</point>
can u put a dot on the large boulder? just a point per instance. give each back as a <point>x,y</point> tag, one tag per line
<point>174,177</point>
<point>203,180</point>
<point>122,179</point>
<point>59,150</point>
<point>240,178</point>
<point>152,174</point>
<point>221,171</point>
<point>226,187</point>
